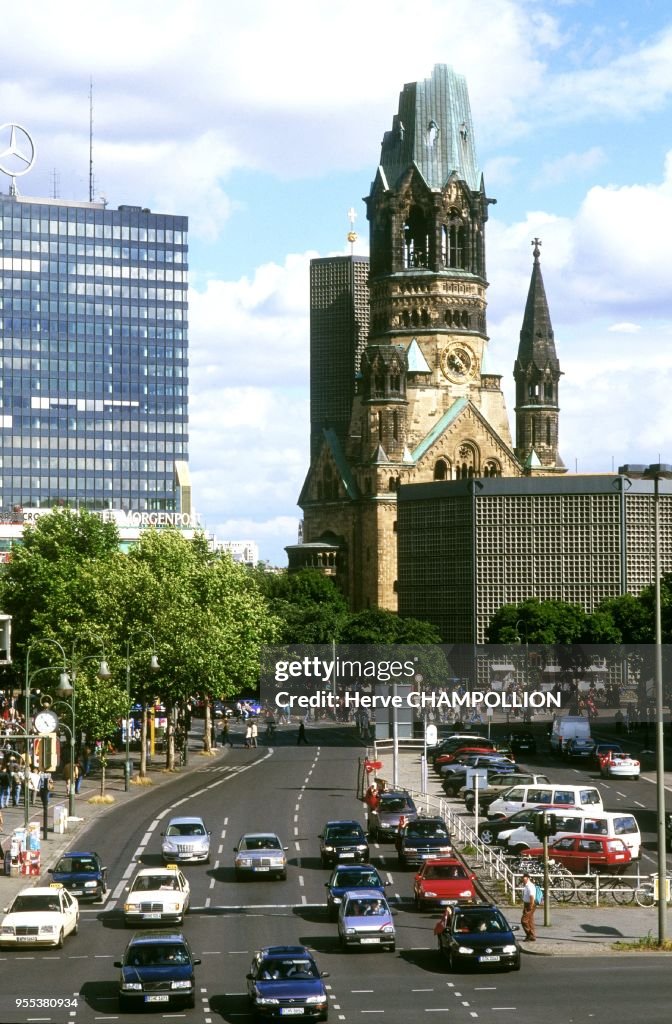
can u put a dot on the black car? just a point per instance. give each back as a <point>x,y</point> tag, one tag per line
<point>351,876</point>
<point>421,839</point>
<point>523,743</point>
<point>479,937</point>
<point>285,981</point>
<point>82,874</point>
<point>455,780</point>
<point>157,969</point>
<point>393,810</point>
<point>489,830</point>
<point>343,841</point>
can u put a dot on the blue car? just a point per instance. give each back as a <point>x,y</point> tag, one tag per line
<point>479,937</point>
<point>285,980</point>
<point>82,874</point>
<point>351,876</point>
<point>157,969</point>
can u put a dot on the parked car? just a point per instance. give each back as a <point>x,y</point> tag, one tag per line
<point>497,785</point>
<point>489,830</point>
<point>561,794</point>
<point>82,874</point>
<point>160,895</point>
<point>286,981</point>
<point>480,937</point>
<point>157,968</point>
<point>39,916</point>
<point>454,783</point>
<point>579,746</point>
<point>343,840</point>
<point>617,764</point>
<point>185,839</point>
<point>443,881</point>
<point>391,808</point>
<point>613,824</point>
<point>604,748</point>
<point>584,854</point>
<point>365,919</point>
<point>492,760</point>
<point>451,757</point>
<point>423,838</point>
<point>351,876</point>
<point>523,742</point>
<point>260,853</point>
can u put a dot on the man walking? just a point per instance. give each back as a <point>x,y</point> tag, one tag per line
<point>302,733</point>
<point>529,894</point>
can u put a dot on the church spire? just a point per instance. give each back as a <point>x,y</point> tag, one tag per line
<point>537,374</point>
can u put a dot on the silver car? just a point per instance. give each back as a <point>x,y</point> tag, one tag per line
<point>365,919</point>
<point>185,839</point>
<point>260,853</point>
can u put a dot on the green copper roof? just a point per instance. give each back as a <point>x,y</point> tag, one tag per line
<point>347,478</point>
<point>434,131</point>
<point>437,430</point>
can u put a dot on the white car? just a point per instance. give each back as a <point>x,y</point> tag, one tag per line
<point>260,853</point>
<point>185,839</point>
<point>617,765</point>
<point>157,895</point>
<point>40,916</point>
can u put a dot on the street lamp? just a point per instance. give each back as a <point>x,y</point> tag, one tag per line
<point>29,676</point>
<point>66,688</point>
<point>657,472</point>
<point>153,667</point>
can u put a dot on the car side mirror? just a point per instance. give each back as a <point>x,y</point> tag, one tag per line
<point>515,927</point>
<point>249,977</point>
<point>51,870</point>
<point>117,963</point>
<point>196,961</point>
<point>326,884</point>
<point>324,974</point>
<point>320,836</point>
<point>162,833</point>
<point>285,847</point>
<point>235,849</point>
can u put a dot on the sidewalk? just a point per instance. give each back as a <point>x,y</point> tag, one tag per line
<point>57,843</point>
<point>575,929</point>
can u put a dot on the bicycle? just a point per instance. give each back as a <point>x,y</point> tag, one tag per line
<point>644,894</point>
<point>611,886</point>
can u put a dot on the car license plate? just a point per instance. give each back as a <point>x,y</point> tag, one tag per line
<point>76,892</point>
<point>369,941</point>
<point>26,938</point>
<point>151,917</point>
<point>161,998</point>
<point>447,903</point>
<point>261,869</point>
<point>288,1011</point>
<point>344,856</point>
<point>488,959</point>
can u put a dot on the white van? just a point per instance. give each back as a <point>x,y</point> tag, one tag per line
<point>587,822</point>
<point>552,796</point>
<point>568,727</point>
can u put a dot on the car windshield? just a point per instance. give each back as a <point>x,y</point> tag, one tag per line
<point>355,879</point>
<point>365,908</point>
<point>426,829</point>
<point>393,803</point>
<point>343,832</point>
<point>484,922</point>
<point>148,883</point>
<point>274,970</point>
<point>39,902</point>
<point>444,871</point>
<point>261,843</point>
<point>68,865</point>
<point>186,829</point>
<point>160,955</point>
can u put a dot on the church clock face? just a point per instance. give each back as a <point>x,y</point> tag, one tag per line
<point>458,363</point>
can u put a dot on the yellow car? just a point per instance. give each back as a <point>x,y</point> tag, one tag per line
<point>158,895</point>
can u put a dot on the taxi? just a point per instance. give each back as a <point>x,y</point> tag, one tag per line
<point>39,916</point>
<point>158,895</point>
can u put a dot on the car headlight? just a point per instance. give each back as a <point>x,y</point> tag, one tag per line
<point>361,847</point>
<point>445,849</point>
<point>267,1001</point>
<point>244,862</point>
<point>464,949</point>
<point>429,894</point>
<point>173,906</point>
<point>277,862</point>
<point>315,999</point>
<point>181,984</point>
<point>47,929</point>
<point>90,885</point>
<point>336,899</point>
<point>131,986</point>
<point>130,907</point>
<point>410,849</point>
<point>388,928</point>
<point>7,929</point>
<point>511,948</point>
<point>466,892</point>
<point>350,931</point>
<point>328,849</point>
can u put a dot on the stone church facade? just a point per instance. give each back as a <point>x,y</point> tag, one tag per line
<point>425,407</point>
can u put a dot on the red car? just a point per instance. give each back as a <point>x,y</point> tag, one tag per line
<point>442,881</point>
<point>455,755</point>
<point>585,854</point>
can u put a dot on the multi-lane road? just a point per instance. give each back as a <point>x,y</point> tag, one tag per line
<point>293,790</point>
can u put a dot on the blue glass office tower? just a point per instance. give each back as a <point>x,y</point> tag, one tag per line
<point>93,342</point>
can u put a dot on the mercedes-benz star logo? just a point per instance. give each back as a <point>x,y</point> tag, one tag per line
<point>17,150</point>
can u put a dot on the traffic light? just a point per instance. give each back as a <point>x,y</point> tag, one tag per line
<point>543,824</point>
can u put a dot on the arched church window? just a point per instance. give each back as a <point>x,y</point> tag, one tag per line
<point>395,383</point>
<point>416,239</point>
<point>395,426</point>
<point>441,470</point>
<point>548,392</point>
<point>380,426</point>
<point>548,433</point>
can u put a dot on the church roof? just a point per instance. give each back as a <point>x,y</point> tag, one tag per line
<point>433,131</point>
<point>416,361</point>
<point>437,430</point>
<point>537,343</point>
<point>347,479</point>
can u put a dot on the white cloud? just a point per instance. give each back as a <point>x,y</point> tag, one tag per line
<point>625,328</point>
<point>569,166</point>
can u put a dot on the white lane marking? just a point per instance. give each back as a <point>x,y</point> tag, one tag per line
<point>212,883</point>
<point>302,882</point>
<point>637,804</point>
<point>296,807</point>
<point>296,817</point>
<point>207,902</point>
<point>297,845</point>
<point>618,793</point>
<point>360,991</point>
<point>422,990</point>
<point>138,853</point>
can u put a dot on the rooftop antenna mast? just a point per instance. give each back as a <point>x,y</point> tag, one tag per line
<point>352,234</point>
<point>91,140</point>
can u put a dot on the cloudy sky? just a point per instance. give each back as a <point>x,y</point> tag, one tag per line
<point>262,122</point>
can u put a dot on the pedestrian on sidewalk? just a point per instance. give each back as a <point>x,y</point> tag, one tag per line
<point>254,733</point>
<point>248,733</point>
<point>225,736</point>
<point>529,893</point>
